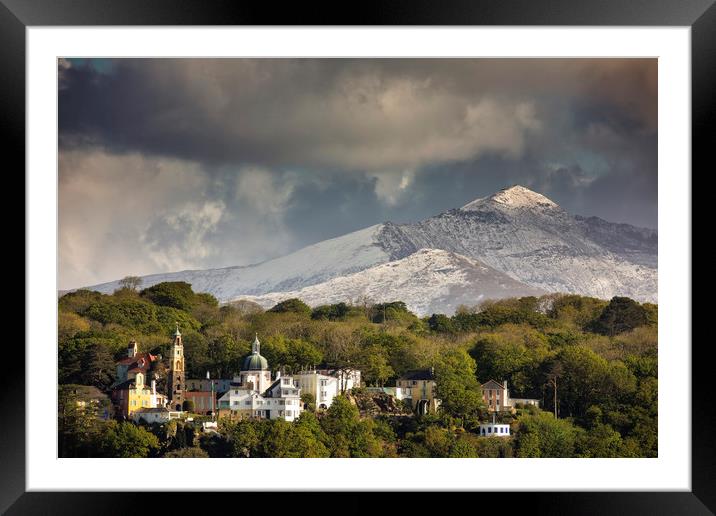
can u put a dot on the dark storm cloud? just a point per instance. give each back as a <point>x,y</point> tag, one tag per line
<point>231,161</point>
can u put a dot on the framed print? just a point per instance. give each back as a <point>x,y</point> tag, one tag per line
<point>441,244</point>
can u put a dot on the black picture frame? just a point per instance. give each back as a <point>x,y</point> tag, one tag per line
<point>700,15</point>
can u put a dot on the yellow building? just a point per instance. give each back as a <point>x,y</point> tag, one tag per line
<point>132,395</point>
<point>418,387</point>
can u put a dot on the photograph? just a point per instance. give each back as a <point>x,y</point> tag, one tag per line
<point>406,257</point>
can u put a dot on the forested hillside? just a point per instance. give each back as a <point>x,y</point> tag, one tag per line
<point>602,355</point>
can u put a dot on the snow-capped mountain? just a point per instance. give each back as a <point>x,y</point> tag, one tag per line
<point>428,281</point>
<point>533,240</point>
<point>515,231</point>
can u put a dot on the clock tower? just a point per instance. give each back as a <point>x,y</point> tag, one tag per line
<point>176,379</point>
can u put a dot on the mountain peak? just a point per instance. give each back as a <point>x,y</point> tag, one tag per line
<point>515,196</point>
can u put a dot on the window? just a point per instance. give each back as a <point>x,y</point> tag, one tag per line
<point>324,383</point>
<point>489,429</point>
<point>288,413</point>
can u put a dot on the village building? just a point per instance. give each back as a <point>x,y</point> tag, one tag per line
<point>203,402</point>
<point>175,380</point>
<point>135,362</point>
<point>253,394</point>
<point>158,415</point>
<point>132,395</point>
<point>494,430</point>
<point>91,400</point>
<point>497,398</point>
<point>325,384</point>
<point>218,385</point>
<point>419,388</point>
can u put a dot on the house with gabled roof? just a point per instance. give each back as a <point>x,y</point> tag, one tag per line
<point>253,394</point>
<point>420,389</point>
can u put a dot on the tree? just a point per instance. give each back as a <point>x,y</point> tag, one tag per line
<point>350,436</point>
<point>293,305</point>
<point>176,294</point>
<point>97,367</point>
<point>128,440</point>
<point>183,453</point>
<point>457,387</point>
<point>130,282</point>
<point>77,425</point>
<point>188,406</point>
<point>541,435</point>
<point>441,323</point>
<point>620,315</point>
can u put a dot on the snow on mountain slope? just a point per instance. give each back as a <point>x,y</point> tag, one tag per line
<point>313,264</point>
<point>533,240</point>
<point>428,281</point>
<point>515,231</point>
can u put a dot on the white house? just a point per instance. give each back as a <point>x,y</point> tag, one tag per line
<point>325,384</point>
<point>155,415</point>
<point>494,430</point>
<point>253,394</point>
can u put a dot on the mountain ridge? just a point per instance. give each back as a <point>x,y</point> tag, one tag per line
<point>515,231</point>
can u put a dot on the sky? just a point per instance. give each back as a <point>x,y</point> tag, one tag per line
<point>173,164</point>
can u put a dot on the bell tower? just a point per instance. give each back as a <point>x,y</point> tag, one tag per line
<point>176,379</point>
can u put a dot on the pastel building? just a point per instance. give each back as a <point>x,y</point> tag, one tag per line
<point>419,388</point>
<point>158,415</point>
<point>135,362</point>
<point>205,402</point>
<point>326,384</point>
<point>494,430</point>
<point>253,394</point>
<point>206,384</point>
<point>132,395</point>
<point>497,398</point>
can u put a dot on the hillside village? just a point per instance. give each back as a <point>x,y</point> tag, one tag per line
<point>346,380</point>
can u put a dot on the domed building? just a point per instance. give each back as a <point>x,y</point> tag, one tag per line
<point>255,373</point>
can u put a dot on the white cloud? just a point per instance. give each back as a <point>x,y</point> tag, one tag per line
<point>129,214</point>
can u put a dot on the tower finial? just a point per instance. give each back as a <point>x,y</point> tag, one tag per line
<point>177,334</point>
<point>256,348</point>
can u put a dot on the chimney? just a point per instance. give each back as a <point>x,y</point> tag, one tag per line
<point>504,384</point>
<point>278,374</point>
<point>132,348</point>
<point>154,387</point>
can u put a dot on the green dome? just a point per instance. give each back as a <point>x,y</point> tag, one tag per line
<point>255,362</point>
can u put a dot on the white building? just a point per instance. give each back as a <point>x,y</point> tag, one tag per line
<point>325,385</point>
<point>253,394</point>
<point>155,415</point>
<point>494,430</point>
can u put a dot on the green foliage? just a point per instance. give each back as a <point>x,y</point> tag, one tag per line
<point>576,311</point>
<point>188,406</point>
<point>335,312</point>
<point>395,311</point>
<point>130,282</point>
<point>292,305</point>
<point>606,383</point>
<point>175,294</point>
<point>620,315</point>
<point>350,436</point>
<point>541,435</point>
<point>184,453</point>
<point>458,388</point>
<point>441,323</point>
<point>128,440</point>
